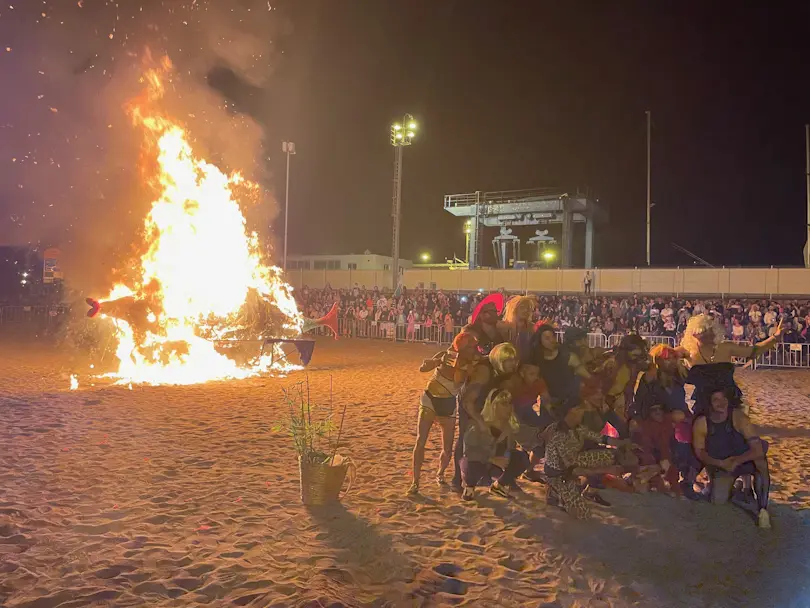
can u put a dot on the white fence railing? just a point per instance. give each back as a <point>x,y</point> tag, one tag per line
<point>785,356</point>
<point>614,339</point>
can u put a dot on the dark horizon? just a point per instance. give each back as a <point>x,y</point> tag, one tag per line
<point>507,95</point>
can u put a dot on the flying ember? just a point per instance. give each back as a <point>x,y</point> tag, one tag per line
<point>201,281</point>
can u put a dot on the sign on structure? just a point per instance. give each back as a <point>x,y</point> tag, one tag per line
<point>51,270</point>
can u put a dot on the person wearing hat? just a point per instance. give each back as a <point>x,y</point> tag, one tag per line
<point>438,401</point>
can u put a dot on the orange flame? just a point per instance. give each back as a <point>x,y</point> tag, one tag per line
<point>200,265</point>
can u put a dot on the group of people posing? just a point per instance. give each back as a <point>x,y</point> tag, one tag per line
<point>577,418</point>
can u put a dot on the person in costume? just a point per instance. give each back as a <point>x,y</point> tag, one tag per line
<point>710,358</point>
<point>593,358</point>
<point>567,459</point>
<point>482,376</point>
<point>662,386</point>
<point>629,359</point>
<point>728,444</point>
<point>491,448</point>
<point>560,369</point>
<point>518,326</point>
<point>438,401</point>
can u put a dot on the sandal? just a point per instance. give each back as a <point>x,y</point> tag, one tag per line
<point>413,490</point>
<point>468,494</point>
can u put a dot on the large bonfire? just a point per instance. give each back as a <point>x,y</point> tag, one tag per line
<point>201,278</point>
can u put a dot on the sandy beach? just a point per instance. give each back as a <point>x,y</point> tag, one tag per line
<point>185,496</point>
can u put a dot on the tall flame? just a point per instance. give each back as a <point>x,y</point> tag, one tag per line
<point>199,267</point>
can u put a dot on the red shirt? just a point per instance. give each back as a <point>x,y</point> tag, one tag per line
<point>655,436</point>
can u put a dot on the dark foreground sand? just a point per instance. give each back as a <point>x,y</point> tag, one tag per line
<point>186,497</point>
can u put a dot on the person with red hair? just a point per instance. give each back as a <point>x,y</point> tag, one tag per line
<point>482,376</point>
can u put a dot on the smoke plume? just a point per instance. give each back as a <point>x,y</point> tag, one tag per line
<point>71,159</point>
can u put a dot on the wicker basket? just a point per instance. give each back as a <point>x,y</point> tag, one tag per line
<point>321,483</point>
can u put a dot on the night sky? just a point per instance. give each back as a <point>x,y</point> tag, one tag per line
<point>508,95</point>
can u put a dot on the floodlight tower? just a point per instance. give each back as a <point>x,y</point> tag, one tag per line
<point>402,134</point>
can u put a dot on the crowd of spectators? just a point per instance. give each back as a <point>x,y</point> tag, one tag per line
<point>744,319</point>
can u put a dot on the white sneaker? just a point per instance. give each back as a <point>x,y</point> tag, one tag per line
<point>764,519</point>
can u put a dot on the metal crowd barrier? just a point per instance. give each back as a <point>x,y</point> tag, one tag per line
<point>614,339</point>
<point>594,340</point>
<point>39,320</point>
<point>786,356</point>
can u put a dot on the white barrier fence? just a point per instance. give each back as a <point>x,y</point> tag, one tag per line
<point>784,356</point>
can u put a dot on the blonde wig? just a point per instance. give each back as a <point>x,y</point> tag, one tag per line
<point>490,411</point>
<point>697,327</point>
<point>500,354</point>
<point>510,311</point>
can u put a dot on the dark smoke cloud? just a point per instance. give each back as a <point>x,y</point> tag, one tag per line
<point>70,158</point>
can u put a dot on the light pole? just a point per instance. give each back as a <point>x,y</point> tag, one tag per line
<point>402,134</point>
<point>467,230</point>
<point>649,203</point>
<point>288,148</point>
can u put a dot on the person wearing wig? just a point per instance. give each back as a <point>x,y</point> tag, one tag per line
<point>518,325</point>
<point>497,359</point>
<point>728,444</point>
<point>438,401</point>
<point>491,448</point>
<point>710,358</point>
<point>662,387</point>
<point>567,460</point>
<point>629,359</point>
<point>560,369</point>
<point>485,323</point>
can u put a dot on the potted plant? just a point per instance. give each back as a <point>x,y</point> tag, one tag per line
<point>312,429</point>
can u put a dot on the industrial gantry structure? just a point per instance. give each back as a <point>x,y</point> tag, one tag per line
<point>535,207</point>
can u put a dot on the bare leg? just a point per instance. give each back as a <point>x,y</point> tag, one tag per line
<point>423,425</point>
<point>448,426</point>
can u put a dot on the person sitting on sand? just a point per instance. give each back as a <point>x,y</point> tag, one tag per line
<point>726,441</point>
<point>492,447</point>
<point>567,460</point>
<point>438,401</point>
<point>663,385</point>
<point>533,415</point>
<point>628,360</point>
<point>710,358</point>
<point>654,431</point>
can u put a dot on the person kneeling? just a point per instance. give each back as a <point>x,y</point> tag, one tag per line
<point>725,440</point>
<point>483,442</point>
<point>567,460</point>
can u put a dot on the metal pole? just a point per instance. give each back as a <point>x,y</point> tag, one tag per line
<point>649,206</point>
<point>397,216</point>
<point>286,207</point>
<point>807,177</point>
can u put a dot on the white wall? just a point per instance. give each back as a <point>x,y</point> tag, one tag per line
<point>665,281</point>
